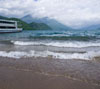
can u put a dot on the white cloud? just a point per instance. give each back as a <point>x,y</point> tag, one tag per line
<point>69,12</point>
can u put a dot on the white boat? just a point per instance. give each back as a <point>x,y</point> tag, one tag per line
<point>7,26</point>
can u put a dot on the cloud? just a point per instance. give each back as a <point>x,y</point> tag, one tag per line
<point>15,7</point>
<point>69,12</point>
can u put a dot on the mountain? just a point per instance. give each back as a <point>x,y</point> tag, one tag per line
<point>92,27</point>
<point>39,26</point>
<point>27,26</point>
<point>50,22</point>
<point>27,18</point>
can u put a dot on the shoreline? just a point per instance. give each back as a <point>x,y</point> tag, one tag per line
<point>47,73</point>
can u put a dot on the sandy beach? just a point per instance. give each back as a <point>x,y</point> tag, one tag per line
<point>47,73</point>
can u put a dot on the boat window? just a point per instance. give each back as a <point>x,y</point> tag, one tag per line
<point>4,27</point>
<point>7,22</point>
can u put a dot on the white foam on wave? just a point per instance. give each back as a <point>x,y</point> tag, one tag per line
<point>14,54</point>
<point>76,44</point>
<point>18,54</point>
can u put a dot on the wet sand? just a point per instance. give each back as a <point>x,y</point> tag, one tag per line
<point>47,73</point>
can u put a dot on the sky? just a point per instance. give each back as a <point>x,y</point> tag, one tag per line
<point>74,13</point>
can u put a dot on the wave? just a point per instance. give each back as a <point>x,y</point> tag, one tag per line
<point>6,42</point>
<point>62,37</point>
<point>17,54</point>
<point>76,44</point>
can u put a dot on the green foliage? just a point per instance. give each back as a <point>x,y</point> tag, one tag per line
<point>2,17</point>
<point>39,26</point>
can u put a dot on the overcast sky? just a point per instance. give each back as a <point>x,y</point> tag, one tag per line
<point>69,12</point>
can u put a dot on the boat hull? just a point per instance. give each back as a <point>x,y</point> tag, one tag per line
<point>10,30</point>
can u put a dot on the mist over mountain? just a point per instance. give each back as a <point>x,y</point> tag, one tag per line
<point>50,22</point>
<point>91,27</point>
<point>57,25</point>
